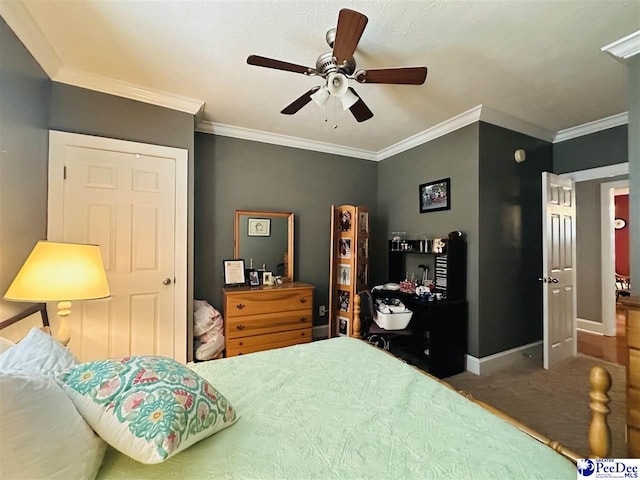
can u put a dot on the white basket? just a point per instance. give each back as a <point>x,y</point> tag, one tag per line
<point>393,321</point>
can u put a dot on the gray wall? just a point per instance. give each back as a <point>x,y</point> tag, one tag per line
<point>234,174</point>
<point>24,144</point>
<point>510,246</point>
<point>599,149</point>
<point>79,110</point>
<point>455,156</point>
<point>633,67</point>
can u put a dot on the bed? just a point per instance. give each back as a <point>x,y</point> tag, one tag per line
<point>341,408</point>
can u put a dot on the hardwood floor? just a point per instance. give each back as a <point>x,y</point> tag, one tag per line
<point>610,349</point>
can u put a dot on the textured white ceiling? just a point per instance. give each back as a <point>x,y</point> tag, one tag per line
<point>538,61</point>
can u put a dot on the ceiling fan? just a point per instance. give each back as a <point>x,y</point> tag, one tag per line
<point>337,67</point>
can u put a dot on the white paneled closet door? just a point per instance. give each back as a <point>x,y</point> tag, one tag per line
<point>125,200</point>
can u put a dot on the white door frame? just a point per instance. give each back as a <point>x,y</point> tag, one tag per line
<point>607,243</point>
<point>58,142</point>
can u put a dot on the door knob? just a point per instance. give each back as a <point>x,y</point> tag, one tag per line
<point>548,280</point>
<point>166,281</point>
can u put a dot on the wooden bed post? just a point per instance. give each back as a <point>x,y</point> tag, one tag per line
<point>599,431</point>
<point>356,316</point>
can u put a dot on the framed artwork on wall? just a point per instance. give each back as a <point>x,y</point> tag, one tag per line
<point>259,227</point>
<point>434,196</point>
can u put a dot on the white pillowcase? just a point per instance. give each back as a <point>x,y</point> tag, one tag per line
<point>5,344</point>
<point>42,434</point>
<point>38,352</point>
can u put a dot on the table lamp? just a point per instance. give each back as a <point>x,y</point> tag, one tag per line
<point>60,272</point>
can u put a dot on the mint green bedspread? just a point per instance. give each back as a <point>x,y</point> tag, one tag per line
<point>341,409</point>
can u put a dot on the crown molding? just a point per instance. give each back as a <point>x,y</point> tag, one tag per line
<point>500,119</point>
<point>84,79</point>
<point>625,47</point>
<point>205,126</point>
<point>448,126</point>
<point>592,127</point>
<point>22,24</point>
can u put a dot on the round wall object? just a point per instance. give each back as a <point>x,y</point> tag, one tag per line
<point>619,223</point>
<point>520,155</point>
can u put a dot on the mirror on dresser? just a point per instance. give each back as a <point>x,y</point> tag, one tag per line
<point>265,238</point>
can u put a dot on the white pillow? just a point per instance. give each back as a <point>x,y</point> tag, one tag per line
<point>5,344</point>
<point>42,434</point>
<point>148,407</point>
<point>38,352</point>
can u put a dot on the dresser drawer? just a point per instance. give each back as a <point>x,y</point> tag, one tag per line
<point>237,343</point>
<point>633,407</point>
<point>244,349</point>
<point>243,326</point>
<point>633,328</point>
<point>633,442</point>
<point>633,371</point>
<point>267,301</point>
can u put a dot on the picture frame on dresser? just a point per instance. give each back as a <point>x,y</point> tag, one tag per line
<point>234,273</point>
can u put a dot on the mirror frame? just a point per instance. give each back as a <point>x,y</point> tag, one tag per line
<point>257,213</point>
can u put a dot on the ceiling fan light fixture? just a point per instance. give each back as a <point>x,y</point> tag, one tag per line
<point>337,84</point>
<point>348,100</point>
<point>321,97</point>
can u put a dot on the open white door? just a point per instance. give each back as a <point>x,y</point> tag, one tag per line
<point>558,268</point>
<point>130,199</point>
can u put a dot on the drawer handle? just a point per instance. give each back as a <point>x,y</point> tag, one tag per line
<point>240,306</point>
<point>303,319</point>
<point>302,334</point>
<point>240,343</point>
<point>240,327</point>
<point>303,300</point>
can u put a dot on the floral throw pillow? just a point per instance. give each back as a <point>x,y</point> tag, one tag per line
<point>147,407</point>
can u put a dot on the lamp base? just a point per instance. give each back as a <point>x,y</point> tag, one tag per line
<point>64,333</point>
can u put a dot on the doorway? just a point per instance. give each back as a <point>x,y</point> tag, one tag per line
<point>597,315</point>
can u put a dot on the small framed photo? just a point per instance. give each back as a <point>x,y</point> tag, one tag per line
<point>267,278</point>
<point>434,196</point>
<point>344,274</point>
<point>345,248</point>
<point>234,272</point>
<point>363,222</point>
<point>344,300</point>
<point>259,227</point>
<point>254,278</point>
<point>362,274</point>
<point>363,247</point>
<point>345,222</point>
<point>343,327</point>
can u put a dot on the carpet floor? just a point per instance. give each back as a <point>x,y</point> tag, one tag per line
<point>553,402</point>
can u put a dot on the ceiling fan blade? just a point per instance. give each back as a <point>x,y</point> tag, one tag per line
<point>348,32</point>
<point>278,65</point>
<point>359,109</point>
<point>300,102</point>
<point>402,76</point>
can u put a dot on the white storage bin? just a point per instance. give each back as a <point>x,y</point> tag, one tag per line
<point>394,320</point>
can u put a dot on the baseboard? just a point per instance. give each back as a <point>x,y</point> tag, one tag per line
<point>590,326</point>
<point>320,332</point>
<point>501,360</point>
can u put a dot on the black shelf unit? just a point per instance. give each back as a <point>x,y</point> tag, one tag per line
<point>439,341</point>
<point>450,272</point>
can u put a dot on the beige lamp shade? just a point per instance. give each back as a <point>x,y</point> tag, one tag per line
<point>56,272</point>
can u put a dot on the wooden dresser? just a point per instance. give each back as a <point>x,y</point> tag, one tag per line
<point>633,376</point>
<point>262,318</point>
